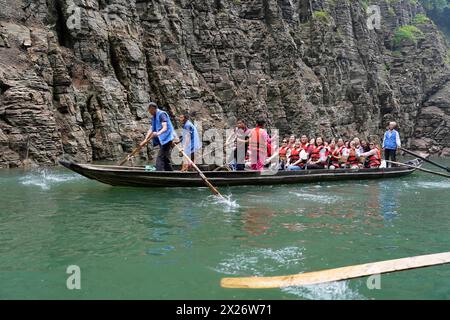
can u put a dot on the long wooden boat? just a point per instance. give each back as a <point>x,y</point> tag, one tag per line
<point>140,177</point>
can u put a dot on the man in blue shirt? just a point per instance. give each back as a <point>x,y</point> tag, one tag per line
<point>391,142</point>
<point>190,140</point>
<point>162,133</point>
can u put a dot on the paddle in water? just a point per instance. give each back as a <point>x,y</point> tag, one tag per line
<point>425,159</point>
<point>210,186</point>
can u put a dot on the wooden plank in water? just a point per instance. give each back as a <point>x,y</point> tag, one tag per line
<point>338,274</point>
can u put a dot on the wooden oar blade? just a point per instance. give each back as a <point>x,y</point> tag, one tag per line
<point>338,274</point>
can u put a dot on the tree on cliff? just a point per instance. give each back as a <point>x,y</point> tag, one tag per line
<point>439,11</point>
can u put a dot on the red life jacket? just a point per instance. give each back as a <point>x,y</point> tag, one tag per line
<point>375,160</point>
<point>315,153</point>
<point>352,158</point>
<point>283,152</point>
<point>295,155</point>
<point>307,147</point>
<point>337,152</point>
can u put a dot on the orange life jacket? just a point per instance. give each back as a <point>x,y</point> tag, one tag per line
<point>255,145</point>
<point>375,160</point>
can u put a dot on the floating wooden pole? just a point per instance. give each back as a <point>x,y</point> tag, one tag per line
<point>420,169</point>
<point>425,159</point>
<point>338,274</point>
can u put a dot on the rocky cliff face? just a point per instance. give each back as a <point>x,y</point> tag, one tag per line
<point>76,75</point>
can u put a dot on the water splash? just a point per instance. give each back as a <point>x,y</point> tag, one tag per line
<point>44,178</point>
<point>326,291</point>
<point>228,204</point>
<point>261,261</point>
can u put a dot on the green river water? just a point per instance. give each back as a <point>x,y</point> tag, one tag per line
<point>178,243</point>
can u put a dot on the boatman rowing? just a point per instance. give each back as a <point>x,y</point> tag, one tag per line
<point>163,134</point>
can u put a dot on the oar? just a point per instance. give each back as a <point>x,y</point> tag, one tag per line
<point>420,169</point>
<point>133,153</point>
<point>210,186</point>
<point>425,159</point>
<point>351,272</point>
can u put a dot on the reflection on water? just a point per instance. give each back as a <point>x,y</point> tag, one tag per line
<point>139,243</point>
<point>389,200</point>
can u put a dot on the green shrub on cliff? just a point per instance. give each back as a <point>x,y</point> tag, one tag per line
<point>407,33</point>
<point>421,19</point>
<point>321,16</point>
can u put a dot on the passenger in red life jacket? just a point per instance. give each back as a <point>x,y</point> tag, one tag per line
<point>336,155</point>
<point>297,157</point>
<point>373,156</point>
<point>305,144</point>
<point>291,141</point>
<point>319,155</point>
<point>365,146</point>
<point>358,145</point>
<point>284,153</point>
<point>259,139</point>
<point>352,156</point>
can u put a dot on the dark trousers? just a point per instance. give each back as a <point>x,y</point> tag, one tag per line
<point>163,159</point>
<point>390,154</point>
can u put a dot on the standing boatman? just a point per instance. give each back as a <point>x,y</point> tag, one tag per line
<point>259,141</point>
<point>162,133</point>
<point>190,140</point>
<point>391,142</point>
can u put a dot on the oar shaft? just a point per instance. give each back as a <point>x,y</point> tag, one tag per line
<point>420,169</point>
<point>209,184</point>
<point>135,151</point>
<point>425,159</point>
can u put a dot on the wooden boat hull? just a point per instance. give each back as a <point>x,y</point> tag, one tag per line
<point>139,177</point>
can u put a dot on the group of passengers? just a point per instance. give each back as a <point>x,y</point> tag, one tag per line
<point>310,153</point>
